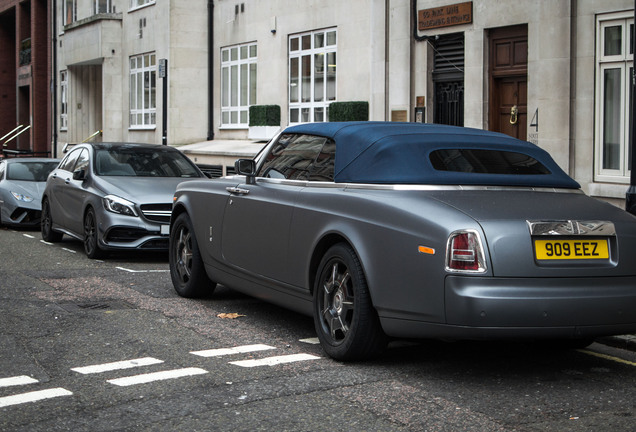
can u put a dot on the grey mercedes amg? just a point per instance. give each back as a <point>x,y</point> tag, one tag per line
<point>114,196</point>
<point>407,230</point>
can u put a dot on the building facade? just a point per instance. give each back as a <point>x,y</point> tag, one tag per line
<point>116,58</point>
<point>25,77</point>
<point>553,72</point>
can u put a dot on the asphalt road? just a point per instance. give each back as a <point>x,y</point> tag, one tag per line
<point>107,345</point>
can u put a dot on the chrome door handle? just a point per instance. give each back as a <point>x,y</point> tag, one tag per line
<point>237,190</point>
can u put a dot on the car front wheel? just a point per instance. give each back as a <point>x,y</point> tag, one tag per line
<point>348,326</point>
<point>91,244</point>
<point>186,266</point>
<point>46,224</point>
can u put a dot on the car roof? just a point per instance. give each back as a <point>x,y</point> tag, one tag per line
<point>398,153</point>
<point>127,145</point>
<point>29,159</point>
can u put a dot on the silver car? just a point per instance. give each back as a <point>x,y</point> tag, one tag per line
<point>22,182</point>
<point>409,230</point>
<point>114,196</point>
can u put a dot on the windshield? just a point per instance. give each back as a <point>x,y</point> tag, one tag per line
<point>30,171</point>
<point>141,162</point>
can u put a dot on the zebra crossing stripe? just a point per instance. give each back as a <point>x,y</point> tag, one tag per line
<point>126,364</point>
<point>33,396</point>
<point>235,350</point>
<point>272,361</point>
<point>16,381</point>
<point>156,376</point>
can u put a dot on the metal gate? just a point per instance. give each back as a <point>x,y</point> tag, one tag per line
<point>448,79</point>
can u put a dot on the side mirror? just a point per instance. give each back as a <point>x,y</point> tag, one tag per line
<point>246,167</point>
<point>79,174</point>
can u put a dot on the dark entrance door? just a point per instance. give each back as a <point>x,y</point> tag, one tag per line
<point>508,111</point>
<point>448,78</point>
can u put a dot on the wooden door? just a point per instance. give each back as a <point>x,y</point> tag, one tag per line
<point>508,111</point>
<point>512,110</point>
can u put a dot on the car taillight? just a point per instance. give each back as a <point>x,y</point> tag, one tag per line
<point>465,253</point>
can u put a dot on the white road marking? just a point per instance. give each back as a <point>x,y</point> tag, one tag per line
<point>28,236</point>
<point>16,381</point>
<point>141,271</point>
<point>157,376</point>
<point>33,396</point>
<point>126,364</point>
<point>235,350</point>
<point>47,243</point>
<point>69,250</point>
<point>272,361</point>
<point>312,341</point>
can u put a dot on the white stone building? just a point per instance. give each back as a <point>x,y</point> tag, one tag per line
<point>554,72</point>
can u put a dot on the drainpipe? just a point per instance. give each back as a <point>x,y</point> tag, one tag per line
<point>54,76</point>
<point>630,198</point>
<point>210,70</point>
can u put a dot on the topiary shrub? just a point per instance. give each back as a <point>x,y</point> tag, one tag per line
<point>264,115</point>
<point>349,111</point>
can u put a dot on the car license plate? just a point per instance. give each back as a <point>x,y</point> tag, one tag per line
<point>571,249</point>
<point>165,229</point>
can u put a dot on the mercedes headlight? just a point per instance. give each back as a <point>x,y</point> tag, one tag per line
<point>119,205</point>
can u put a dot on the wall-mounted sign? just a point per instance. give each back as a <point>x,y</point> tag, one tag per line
<point>24,75</point>
<point>399,116</point>
<point>445,16</point>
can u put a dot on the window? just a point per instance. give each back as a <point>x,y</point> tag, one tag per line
<point>143,91</point>
<point>134,4</point>
<point>238,84</point>
<point>70,11</point>
<point>64,100</point>
<point>102,6</point>
<point>140,162</point>
<point>300,157</point>
<point>486,162</point>
<point>68,162</point>
<point>615,55</point>
<point>312,76</point>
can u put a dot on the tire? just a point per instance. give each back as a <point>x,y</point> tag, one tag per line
<point>347,325</point>
<point>186,266</point>
<point>91,239</point>
<point>46,224</point>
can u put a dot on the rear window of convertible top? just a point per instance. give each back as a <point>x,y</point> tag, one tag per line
<point>486,162</point>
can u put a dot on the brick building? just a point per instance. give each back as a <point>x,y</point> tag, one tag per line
<point>25,76</point>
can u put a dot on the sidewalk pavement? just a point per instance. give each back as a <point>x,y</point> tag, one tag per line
<point>627,342</point>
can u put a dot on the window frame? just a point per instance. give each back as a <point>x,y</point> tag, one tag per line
<point>107,3</point>
<point>623,62</point>
<point>299,102</point>
<point>69,17</point>
<point>64,100</point>
<point>136,110</point>
<point>235,102</point>
<point>138,4</point>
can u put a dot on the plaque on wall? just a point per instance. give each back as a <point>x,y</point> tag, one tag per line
<point>445,16</point>
<point>399,116</point>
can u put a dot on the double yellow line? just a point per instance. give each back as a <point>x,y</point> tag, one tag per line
<point>607,357</point>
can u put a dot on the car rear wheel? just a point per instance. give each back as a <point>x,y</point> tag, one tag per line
<point>46,224</point>
<point>91,244</point>
<point>346,322</point>
<point>186,266</point>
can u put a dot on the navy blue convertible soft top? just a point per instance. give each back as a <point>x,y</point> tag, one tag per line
<point>400,153</point>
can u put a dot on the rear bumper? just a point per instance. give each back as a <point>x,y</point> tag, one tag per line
<point>530,308</point>
<point>540,302</point>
